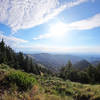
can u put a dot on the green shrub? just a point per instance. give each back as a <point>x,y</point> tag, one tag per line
<point>4,66</point>
<point>13,87</point>
<point>3,72</point>
<point>23,80</point>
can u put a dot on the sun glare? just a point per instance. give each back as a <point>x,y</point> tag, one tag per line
<point>58,30</point>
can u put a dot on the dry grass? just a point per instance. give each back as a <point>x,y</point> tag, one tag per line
<point>7,96</point>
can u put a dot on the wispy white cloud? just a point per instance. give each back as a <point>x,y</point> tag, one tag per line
<point>21,45</point>
<point>67,5</point>
<point>86,24</point>
<point>11,40</point>
<point>44,36</point>
<point>21,14</point>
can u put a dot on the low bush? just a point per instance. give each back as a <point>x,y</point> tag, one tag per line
<point>3,72</point>
<point>23,80</point>
<point>4,66</point>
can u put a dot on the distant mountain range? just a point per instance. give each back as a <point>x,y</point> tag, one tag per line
<point>55,61</point>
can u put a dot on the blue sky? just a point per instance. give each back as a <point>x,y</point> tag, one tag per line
<point>53,26</point>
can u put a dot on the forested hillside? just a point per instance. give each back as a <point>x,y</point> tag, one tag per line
<point>82,71</point>
<point>89,74</point>
<point>21,78</point>
<point>55,61</point>
<point>19,60</point>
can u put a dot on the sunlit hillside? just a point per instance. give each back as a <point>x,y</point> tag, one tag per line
<point>18,85</point>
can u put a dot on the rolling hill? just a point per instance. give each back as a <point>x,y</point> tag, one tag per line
<point>54,61</point>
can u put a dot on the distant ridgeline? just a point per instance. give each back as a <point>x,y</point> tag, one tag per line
<point>19,60</point>
<point>82,72</point>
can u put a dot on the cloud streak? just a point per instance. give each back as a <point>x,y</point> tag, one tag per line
<point>86,24</point>
<point>44,36</point>
<point>22,14</point>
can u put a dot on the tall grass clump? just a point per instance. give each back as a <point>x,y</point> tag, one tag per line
<point>23,80</point>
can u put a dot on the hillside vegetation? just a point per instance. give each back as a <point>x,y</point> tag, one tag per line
<point>19,85</point>
<point>23,79</point>
<point>19,60</point>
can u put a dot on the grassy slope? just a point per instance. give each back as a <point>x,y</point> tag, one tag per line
<point>48,88</point>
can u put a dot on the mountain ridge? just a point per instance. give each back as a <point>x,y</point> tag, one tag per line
<point>55,61</point>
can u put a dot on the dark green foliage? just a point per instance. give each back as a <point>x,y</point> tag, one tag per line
<point>3,57</point>
<point>83,76</point>
<point>81,65</point>
<point>97,74</point>
<point>65,72</point>
<point>19,60</point>
<point>23,80</point>
<point>69,65</point>
<point>89,75</point>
